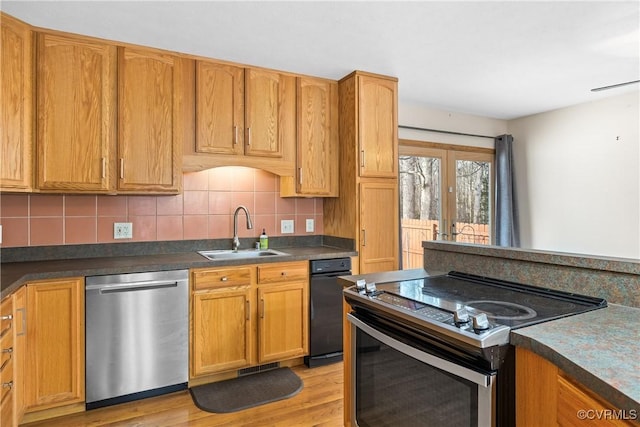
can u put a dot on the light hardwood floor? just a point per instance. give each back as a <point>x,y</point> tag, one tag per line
<point>318,404</point>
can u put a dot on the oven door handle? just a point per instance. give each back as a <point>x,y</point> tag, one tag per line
<point>483,380</point>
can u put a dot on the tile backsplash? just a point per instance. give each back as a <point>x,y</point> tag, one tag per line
<point>203,211</point>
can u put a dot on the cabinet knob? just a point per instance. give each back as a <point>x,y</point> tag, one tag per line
<point>224,279</point>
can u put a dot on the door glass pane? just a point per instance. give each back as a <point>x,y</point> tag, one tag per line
<point>473,201</point>
<point>420,205</point>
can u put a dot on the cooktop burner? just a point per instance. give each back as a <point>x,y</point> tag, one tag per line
<point>502,310</point>
<point>467,308</point>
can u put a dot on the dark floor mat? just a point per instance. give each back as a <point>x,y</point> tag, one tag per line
<point>247,391</point>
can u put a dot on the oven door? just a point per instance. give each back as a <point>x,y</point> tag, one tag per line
<point>396,382</point>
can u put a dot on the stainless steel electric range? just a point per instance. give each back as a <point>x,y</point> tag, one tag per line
<point>435,351</point>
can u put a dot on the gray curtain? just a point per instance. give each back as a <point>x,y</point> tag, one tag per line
<point>507,227</point>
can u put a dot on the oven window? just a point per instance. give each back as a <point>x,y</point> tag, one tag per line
<point>393,389</point>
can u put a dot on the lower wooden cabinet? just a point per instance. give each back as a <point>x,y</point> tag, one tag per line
<point>54,346</point>
<point>248,316</point>
<point>547,396</point>
<point>222,331</point>
<point>8,380</point>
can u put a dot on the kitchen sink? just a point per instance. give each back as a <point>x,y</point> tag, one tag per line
<point>240,254</point>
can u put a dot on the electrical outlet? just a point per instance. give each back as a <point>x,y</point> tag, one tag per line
<point>122,230</point>
<point>286,226</point>
<point>310,226</point>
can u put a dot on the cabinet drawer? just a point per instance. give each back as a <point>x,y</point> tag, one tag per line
<point>283,272</point>
<point>223,277</point>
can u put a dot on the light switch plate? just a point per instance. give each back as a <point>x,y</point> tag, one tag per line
<point>310,226</point>
<point>286,226</point>
<point>122,230</point>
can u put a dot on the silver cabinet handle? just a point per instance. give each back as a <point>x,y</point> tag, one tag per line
<point>7,317</point>
<point>249,135</point>
<point>104,168</point>
<point>23,316</point>
<point>362,158</point>
<point>364,237</point>
<point>247,309</point>
<point>300,173</point>
<point>235,135</point>
<point>224,279</point>
<point>262,311</point>
<point>122,168</point>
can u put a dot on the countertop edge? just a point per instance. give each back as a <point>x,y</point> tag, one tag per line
<point>144,263</point>
<point>580,373</point>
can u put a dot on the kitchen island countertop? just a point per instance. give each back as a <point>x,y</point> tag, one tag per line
<point>600,349</point>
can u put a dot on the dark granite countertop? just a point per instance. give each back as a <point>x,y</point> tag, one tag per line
<point>600,349</point>
<point>15,274</point>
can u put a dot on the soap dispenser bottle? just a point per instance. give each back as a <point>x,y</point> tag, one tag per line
<point>264,240</point>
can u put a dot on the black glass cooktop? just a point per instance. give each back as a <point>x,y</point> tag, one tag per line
<point>506,303</point>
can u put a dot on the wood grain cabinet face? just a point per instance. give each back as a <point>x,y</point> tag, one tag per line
<point>8,381</point>
<point>16,83</point>
<point>222,319</point>
<point>317,158</point>
<point>283,311</point>
<point>378,127</point>
<point>149,121</point>
<point>379,225</point>
<point>257,315</point>
<point>219,108</point>
<point>54,369</point>
<point>76,113</point>
<point>264,114</point>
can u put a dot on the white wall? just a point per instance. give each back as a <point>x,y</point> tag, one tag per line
<point>578,179</point>
<point>422,117</point>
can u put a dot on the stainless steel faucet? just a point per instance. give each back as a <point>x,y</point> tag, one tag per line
<point>236,241</point>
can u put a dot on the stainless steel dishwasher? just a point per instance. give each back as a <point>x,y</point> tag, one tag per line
<point>137,340</point>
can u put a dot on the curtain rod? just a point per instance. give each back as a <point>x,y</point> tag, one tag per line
<point>445,131</point>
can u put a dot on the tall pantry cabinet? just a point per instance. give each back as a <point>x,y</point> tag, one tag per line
<point>367,209</point>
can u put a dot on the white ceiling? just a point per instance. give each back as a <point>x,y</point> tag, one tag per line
<point>498,59</point>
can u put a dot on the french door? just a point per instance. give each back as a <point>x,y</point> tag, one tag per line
<point>445,194</point>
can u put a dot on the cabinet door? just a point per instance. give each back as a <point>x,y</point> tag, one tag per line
<point>54,373</point>
<point>149,121</point>
<point>378,127</point>
<point>219,108</point>
<point>8,381</point>
<point>379,226</point>
<point>283,321</point>
<point>221,337</point>
<point>16,82</point>
<point>19,350</point>
<point>317,154</point>
<point>268,112</point>
<point>76,113</point>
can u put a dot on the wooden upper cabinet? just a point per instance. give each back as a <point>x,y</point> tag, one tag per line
<point>16,105</point>
<point>219,108</point>
<point>76,113</point>
<point>378,126</point>
<point>317,159</point>
<point>150,98</point>
<point>265,112</point>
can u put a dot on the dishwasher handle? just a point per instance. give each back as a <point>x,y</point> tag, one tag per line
<point>131,287</point>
